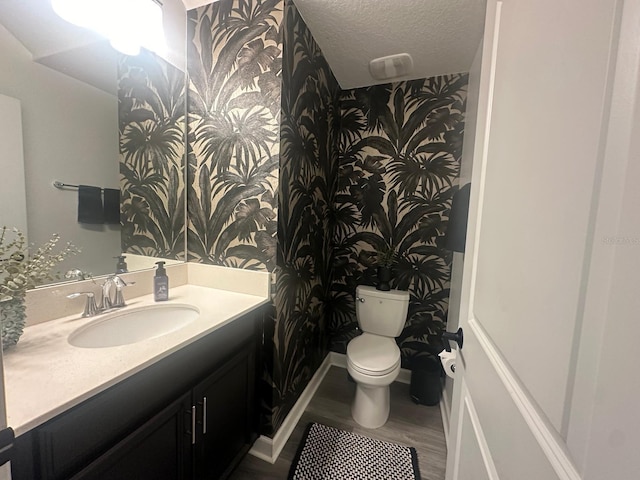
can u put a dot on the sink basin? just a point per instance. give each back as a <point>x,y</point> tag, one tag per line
<point>133,325</point>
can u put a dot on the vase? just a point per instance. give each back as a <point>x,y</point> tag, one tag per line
<point>384,277</point>
<point>13,314</point>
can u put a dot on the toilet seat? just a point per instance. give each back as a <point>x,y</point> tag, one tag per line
<point>373,355</point>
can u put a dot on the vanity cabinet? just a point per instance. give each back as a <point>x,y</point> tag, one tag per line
<point>158,449</point>
<point>192,415</point>
<point>226,422</point>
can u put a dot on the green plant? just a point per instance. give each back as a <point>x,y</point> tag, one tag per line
<point>386,257</point>
<point>20,270</point>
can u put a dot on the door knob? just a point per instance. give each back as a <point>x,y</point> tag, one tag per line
<point>457,337</point>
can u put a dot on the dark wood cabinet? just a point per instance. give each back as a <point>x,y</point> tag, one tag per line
<point>159,449</point>
<point>226,417</point>
<point>192,415</point>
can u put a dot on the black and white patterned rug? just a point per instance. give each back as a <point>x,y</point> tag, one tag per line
<point>327,453</point>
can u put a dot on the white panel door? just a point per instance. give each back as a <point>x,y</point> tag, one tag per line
<point>545,97</point>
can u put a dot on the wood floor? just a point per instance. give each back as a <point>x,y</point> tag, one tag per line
<point>409,424</point>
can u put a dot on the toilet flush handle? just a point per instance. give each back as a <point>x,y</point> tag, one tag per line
<point>360,299</point>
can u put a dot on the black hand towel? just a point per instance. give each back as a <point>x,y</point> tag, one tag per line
<point>112,206</point>
<point>456,235</point>
<point>90,205</point>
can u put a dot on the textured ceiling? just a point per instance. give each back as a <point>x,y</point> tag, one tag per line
<point>442,36</point>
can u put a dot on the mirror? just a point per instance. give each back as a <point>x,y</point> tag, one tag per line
<point>88,115</point>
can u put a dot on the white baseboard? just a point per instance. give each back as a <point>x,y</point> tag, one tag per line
<point>268,449</point>
<point>404,376</point>
<point>338,359</point>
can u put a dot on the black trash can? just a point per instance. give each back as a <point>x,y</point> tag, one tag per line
<point>426,381</point>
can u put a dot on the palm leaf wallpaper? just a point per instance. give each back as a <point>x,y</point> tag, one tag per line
<point>308,181</point>
<point>399,150</point>
<point>151,112</point>
<point>234,64</point>
<point>287,174</point>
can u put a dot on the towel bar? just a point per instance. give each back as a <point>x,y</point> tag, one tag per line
<point>61,185</point>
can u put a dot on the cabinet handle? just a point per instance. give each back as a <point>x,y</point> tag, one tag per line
<point>204,415</point>
<point>193,425</point>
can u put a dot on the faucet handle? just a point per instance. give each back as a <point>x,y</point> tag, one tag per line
<point>90,307</point>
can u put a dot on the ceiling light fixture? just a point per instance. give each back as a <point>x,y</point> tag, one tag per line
<point>392,66</point>
<point>128,24</point>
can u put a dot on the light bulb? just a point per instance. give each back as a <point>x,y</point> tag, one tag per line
<point>152,31</point>
<point>128,24</point>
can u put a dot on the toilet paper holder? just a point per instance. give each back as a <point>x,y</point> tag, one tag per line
<point>448,360</point>
<point>457,337</point>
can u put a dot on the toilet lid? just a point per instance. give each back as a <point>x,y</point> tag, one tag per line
<point>373,354</point>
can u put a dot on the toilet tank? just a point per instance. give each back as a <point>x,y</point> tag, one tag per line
<point>381,313</point>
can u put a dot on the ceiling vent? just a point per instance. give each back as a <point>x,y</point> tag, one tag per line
<point>393,66</point>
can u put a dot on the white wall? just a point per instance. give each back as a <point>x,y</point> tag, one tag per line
<point>12,187</point>
<point>70,133</point>
<point>174,17</point>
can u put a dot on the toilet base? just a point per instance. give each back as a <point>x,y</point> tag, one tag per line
<point>370,407</point>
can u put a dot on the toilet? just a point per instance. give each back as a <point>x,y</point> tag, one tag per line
<point>373,358</point>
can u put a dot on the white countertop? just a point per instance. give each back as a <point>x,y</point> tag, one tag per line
<point>44,375</point>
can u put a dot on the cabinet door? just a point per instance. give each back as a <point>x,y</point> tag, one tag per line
<point>227,411</point>
<point>160,449</point>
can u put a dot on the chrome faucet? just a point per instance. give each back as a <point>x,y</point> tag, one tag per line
<point>112,297</point>
<point>119,302</point>
<point>113,300</point>
<point>106,302</point>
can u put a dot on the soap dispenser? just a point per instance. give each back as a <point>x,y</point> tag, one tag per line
<point>121,266</point>
<point>160,284</point>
